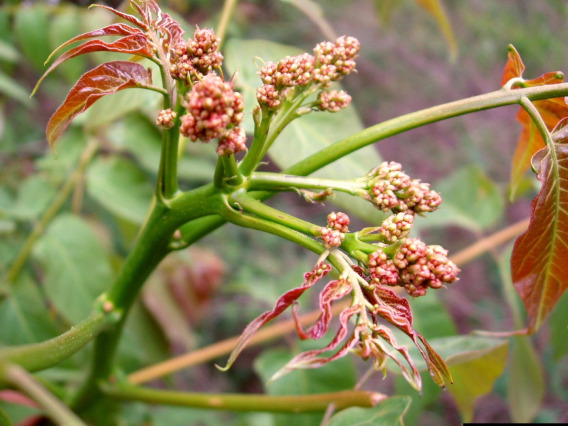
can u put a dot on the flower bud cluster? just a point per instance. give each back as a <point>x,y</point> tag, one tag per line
<point>214,110</point>
<point>330,62</point>
<point>416,267</point>
<point>333,100</point>
<point>335,60</point>
<point>334,233</point>
<point>197,57</point>
<point>166,118</point>
<point>392,189</point>
<point>396,227</point>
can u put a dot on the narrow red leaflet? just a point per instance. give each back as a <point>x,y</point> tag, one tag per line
<point>334,290</point>
<point>103,80</point>
<point>283,302</point>
<point>142,25</point>
<point>133,44</point>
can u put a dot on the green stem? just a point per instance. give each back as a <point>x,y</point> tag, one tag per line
<point>271,227</point>
<point>537,119</point>
<point>420,118</point>
<point>240,402</point>
<point>279,182</point>
<point>258,208</point>
<point>269,129</point>
<point>194,231</point>
<point>231,170</point>
<point>151,247</point>
<point>52,210</point>
<point>39,356</point>
<point>226,13</point>
<point>167,185</point>
<point>55,409</point>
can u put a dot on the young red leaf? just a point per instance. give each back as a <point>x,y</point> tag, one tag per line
<point>133,44</point>
<point>103,80</point>
<point>551,110</point>
<point>334,290</point>
<point>142,25</point>
<point>538,262</point>
<point>283,302</point>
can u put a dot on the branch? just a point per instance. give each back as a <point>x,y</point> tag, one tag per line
<point>246,402</point>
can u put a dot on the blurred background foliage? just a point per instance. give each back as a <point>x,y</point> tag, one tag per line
<point>414,55</point>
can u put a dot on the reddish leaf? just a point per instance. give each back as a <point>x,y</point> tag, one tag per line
<point>133,44</point>
<point>396,310</point>
<point>103,80</point>
<point>126,16</point>
<point>283,302</point>
<point>538,262</point>
<point>551,110</point>
<point>334,290</point>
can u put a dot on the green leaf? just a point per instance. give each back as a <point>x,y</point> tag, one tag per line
<point>31,29</point>
<point>118,185</point>
<point>66,24</point>
<point>14,90</point>
<point>76,267</point>
<point>525,386</point>
<point>33,197</point>
<point>308,134</point>
<point>315,13</point>
<point>474,375</point>
<point>4,420</point>
<point>559,329</point>
<point>335,376</point>
<point>24,314</point>
<point>8,52</point>
<point>539,255</point>
<point>389,412</point>
<point>467,187</point>
<point>143,139</point>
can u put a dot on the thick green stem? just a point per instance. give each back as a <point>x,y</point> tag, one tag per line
<point>39,356</point>
<point>420,118</point>
<point>240,402</point>
<point>52,210</point>
<point>167,185</point>
<point>55,409</point>
<point>152,245</point>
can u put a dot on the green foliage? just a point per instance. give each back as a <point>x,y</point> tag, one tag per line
<point>83,227</point>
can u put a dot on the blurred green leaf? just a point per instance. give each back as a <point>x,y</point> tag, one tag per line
<point>76,267</point>
<point>122,188</point>
<point>24,315</point>
<point>143,343</point>
<point>4,420</point>
<point>468,187</point>
<point>558,323</point>
<point>66,24</point>
<point>33,197</point>
<point>143,139</point>
<point>431,317</point>
<point>389,412</point>
<point>31,28</point>
<point>307,134</point>
<point>14,90</point>
<point>8,53</point>
<point>525,387</point>
<point>335,376</point>
<point>474,377</point>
